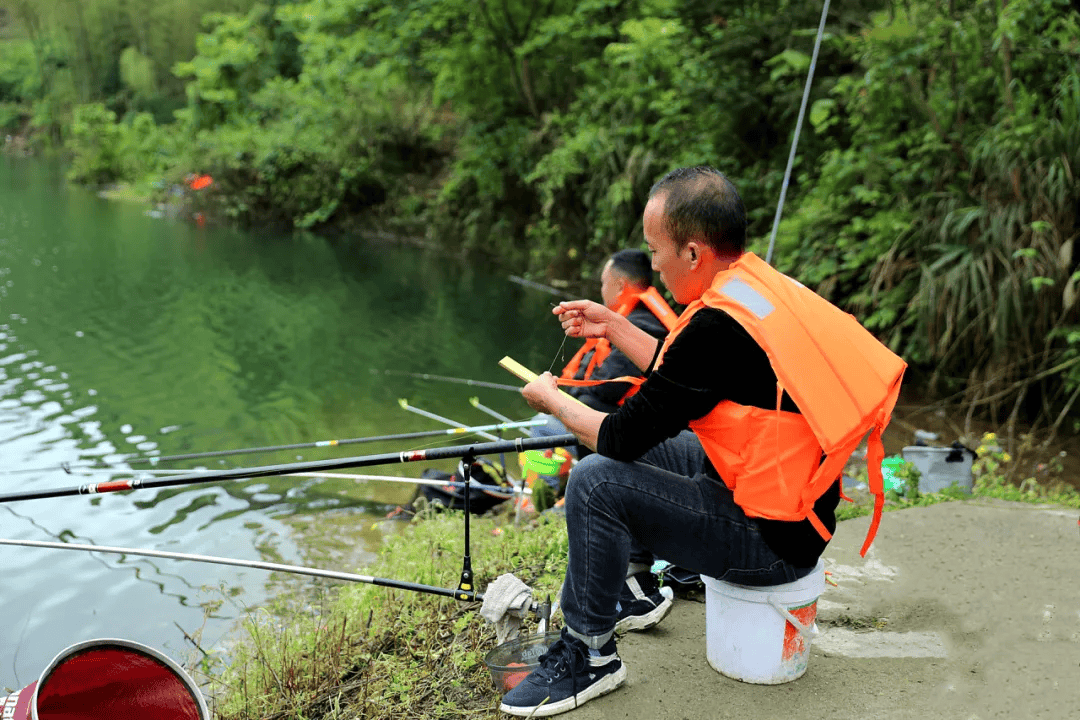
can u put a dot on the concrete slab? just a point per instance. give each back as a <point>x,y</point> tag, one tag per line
<point>967,610</point>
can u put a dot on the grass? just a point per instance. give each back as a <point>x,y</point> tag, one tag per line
<point>365,651</point>
<point>375,652</point>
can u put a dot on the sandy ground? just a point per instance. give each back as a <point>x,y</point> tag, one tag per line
<point>967,610</point>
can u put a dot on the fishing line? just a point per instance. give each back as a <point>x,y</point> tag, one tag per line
<point>561,346</point>
<point>558,353</point>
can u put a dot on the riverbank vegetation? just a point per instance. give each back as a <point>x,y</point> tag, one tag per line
<point>373,652</point>
<point>934,193</point>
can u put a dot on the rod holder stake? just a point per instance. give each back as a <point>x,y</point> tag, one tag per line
<point>466,589</point>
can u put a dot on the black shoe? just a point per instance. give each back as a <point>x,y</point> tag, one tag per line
<point>641,604</point>
<point>568,676</point>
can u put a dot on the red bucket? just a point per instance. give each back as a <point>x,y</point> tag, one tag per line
<point>110,678</point>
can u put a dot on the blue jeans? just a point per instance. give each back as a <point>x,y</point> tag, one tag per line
<point>664,506</point>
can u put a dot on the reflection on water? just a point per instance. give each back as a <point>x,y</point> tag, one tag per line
<point>123,337</point>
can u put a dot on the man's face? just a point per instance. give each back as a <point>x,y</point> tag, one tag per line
<point>672,264</point>
<point>611,285</point>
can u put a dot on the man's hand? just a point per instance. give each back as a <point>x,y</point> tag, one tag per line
<point>585,318</point>
<point>542,393</point>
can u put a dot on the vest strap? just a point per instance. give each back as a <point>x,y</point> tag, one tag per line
<point>570,382</point>
<point>819,526</point>
<point>776,441</point>
<point>575,362</point>
<point>600,354</point>
<point>875,454</point>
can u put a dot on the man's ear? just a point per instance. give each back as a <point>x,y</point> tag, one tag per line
<point>693,252</point>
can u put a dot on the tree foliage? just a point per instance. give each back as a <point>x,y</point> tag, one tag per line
<point>933,191</point>
<point>949,215</point>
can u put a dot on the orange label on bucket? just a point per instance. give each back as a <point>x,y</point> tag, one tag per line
<point>794,643</point>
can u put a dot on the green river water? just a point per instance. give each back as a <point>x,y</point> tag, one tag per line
<point>122,336</point>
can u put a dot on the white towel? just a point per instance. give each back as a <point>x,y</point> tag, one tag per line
<point>506,602</point>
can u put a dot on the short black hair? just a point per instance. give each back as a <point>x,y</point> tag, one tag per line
<point>634,265</point>
<point>700,202</point>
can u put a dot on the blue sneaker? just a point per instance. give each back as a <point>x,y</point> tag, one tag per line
<point>569,675</point>
<point>642,603</point>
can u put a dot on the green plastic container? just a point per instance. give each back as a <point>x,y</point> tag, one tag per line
<point>540,464</point>
<point>889,467</point>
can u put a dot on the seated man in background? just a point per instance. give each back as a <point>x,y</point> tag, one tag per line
<point>626,287</point>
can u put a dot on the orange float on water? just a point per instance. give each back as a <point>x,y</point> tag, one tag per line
<point>201,181</point>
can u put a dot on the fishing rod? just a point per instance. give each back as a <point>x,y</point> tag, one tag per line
<point>502,457</point>
<point>443,453</point>
<point>475,402</point>
<point>798,129</point>
<point>444,378</point>
<point>155,459</point>
<point>260,565</point>
<point>424,413</point>
<point>498,489</point>
<point>537,286</point>
<point>342,476</point>
<point>458,430</point>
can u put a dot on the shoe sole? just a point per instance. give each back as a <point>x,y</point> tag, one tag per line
<point>646,621</point>
<point>601,687</point>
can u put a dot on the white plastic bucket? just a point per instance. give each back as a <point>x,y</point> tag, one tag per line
<point>762,634</point>
<point>939,468</point>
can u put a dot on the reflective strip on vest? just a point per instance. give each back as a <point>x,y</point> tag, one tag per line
<point>748,297</point>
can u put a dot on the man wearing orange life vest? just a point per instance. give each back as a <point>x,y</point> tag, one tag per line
<point>626,287</point>
<point>777,388</point>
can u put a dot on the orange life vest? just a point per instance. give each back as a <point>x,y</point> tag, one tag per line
<point>844,381</point>
<point>601,347</point>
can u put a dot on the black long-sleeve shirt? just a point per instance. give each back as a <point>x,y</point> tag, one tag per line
<point>713,359</point>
